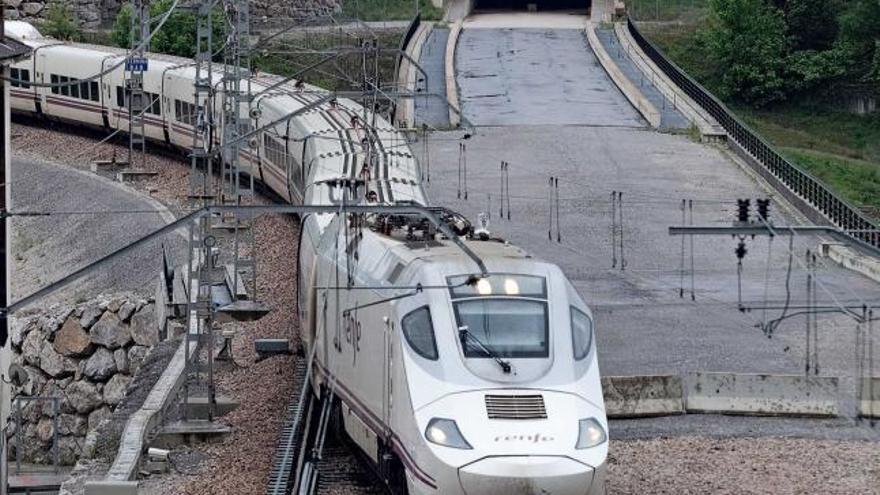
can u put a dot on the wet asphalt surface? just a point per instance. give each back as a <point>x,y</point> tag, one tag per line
<point>643,325</point>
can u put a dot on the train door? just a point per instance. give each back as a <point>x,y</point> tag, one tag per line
<point>388,369</point>
<point>40,67</point>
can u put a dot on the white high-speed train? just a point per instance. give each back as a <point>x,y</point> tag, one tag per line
<point>450,380</point>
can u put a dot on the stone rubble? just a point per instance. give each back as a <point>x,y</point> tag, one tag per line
<point>82,355</point>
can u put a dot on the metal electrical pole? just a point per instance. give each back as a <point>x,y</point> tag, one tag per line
<point>135,67</point>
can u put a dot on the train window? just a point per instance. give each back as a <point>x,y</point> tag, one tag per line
<point>54,80</point>
<point>84,90</point>
<point>14,74</point>
<point>94,93</point>
<point>74,89</point>
<point>419,333</point>
<point>509,327</point>
<point>581,333</point>
<point>25,76</point>
<point>65,90</point>
<point>156,106</point>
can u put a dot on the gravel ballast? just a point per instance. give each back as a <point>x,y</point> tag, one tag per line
<point>743,465</point>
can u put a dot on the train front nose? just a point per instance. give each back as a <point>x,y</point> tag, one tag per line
<point>526,475</point>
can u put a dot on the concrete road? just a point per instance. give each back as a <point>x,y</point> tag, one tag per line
<point>536,76</point>
<point>95,217</point>
<point>643,325</point>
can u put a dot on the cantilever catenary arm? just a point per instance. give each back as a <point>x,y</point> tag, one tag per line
<point>254,210</point>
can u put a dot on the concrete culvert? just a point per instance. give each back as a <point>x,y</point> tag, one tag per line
<point>577,6</point>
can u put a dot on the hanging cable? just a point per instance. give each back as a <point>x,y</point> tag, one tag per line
<point>691,237</point>
<point>810,308</point>
<point>681,285</point>
<point>767,278</point>
<point>814,317</point>
<point>558,227</point>
<point>550,210</point>
<point>614,233</point>
<point>501,195</point>
<point>460,153</point>
<point>464,151</point>
<point>620,229</point>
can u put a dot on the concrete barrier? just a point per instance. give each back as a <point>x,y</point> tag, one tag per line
<point>111,488</point>
<point>869,397</point>
<point>451,83</point>
<point>760,394</point>
<point>409,74</point>
<point>851,259</point>
<point>709,129</point>
<point>642,396</point>
<point>632,93</point>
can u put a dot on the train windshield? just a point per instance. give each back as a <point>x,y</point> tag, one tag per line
<point>503,315</point>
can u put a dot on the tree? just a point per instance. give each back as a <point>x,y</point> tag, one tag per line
<point>60,23</point>
<point>811,24</point>
<point>178,34</point>
<point>859,40</point>
<point>747,38</point>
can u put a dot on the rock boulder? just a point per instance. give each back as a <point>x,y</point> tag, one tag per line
<point>30,348</point>
<point>144,330</point>
<point>91,314</point>
<point>72,339</point>
<point>84,396</point>
<point>54,364</point>
<point>100,366</point>
<point>110,332</point>
<point>114,390</point>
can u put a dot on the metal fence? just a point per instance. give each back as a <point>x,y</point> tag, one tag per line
<point>813,197</point>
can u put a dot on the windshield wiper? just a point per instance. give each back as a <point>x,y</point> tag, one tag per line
<point>464,334</point>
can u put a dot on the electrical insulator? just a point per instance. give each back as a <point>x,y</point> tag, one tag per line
<point>742,210</point>
<point>741,250</point>
<point>763,208</point>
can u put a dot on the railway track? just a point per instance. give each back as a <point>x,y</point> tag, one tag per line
<point>310,457</point>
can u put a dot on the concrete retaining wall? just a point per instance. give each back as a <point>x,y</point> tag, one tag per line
<point>869,405</point>
<point>642,396</point>
<point>759,394</point>
<point>852,260</point>
<point>709,128</point>
<point>409,74</point>
<point>451,84</point>
<point>632,93</point>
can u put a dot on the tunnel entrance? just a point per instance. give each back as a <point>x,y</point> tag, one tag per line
<point>539,5</point>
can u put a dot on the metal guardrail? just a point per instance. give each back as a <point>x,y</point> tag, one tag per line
<point>812,196</point>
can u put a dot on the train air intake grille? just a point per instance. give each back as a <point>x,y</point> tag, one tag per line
<point>516,407</point>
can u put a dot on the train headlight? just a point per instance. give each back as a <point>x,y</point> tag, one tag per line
<point>590,434</point>
<point>446,433</point>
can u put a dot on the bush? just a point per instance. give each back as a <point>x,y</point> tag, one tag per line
<point>748,39</point>
<point>60,23</point>
<point>177,36</point>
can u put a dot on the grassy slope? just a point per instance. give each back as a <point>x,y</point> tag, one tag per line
<point>390,10</point>
<point>841,149</point>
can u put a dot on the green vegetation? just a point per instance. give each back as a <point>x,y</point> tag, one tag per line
<point>856,180</point>
<point>177,36</point>
<point>390,10</point>
<point>60,23</point>
<point>775,62</point>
